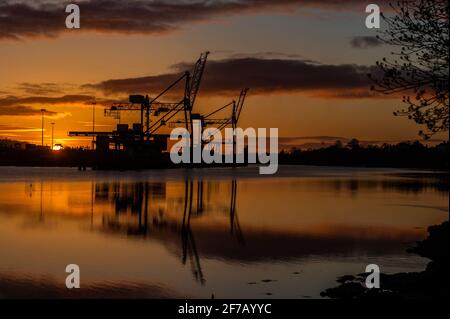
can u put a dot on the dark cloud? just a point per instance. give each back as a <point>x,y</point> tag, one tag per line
<point>23,105</point>
<point>22,19</point>
<point>22,110</point>
<point>266,55</point>
<point>365,42</point>
<point>263,76</point>
<point>45,100</point>
<point>41,88</point>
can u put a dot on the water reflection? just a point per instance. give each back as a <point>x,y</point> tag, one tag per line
<point>405,185</point>
<point>225,229</point>
<point>134,202</point>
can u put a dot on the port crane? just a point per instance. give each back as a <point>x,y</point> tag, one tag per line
<point>144,131</point>
<point>153,106</point>
<point>221,123</point>
<point>235,113</point>
<point>207,120</point>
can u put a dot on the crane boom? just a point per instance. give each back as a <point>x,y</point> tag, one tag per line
<point>196,78</point>
<point>222,122</point>
<point>240,103</point>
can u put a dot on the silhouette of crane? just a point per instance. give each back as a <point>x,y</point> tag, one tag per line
<point>123,138</point>
<point>153,106</point>
<point>233,119</point>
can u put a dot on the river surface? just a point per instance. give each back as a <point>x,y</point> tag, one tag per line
<point>227,233</point>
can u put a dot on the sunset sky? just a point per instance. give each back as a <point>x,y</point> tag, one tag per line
<point>304,61</point>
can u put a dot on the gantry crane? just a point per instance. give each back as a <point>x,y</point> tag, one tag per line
<point>192,86</point>
<point>154,107</point>
<point>208,120</point>
<point>150,106</point>
<point>233,119</point>
<point>235,113</point>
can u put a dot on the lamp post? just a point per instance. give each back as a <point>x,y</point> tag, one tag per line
<point>53,126</point>
<point>93,124</point>
<point>42,135</point>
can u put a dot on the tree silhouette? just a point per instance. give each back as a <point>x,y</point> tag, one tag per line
<point>353,144</point>
<point>420,67</point>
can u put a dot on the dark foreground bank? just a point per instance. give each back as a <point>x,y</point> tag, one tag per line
<point>433,282</point>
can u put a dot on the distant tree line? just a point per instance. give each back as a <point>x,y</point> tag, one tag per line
<point>401,155</point>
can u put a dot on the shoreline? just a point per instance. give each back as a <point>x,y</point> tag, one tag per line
<point>225,165</point>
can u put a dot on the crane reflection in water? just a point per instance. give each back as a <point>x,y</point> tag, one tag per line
<point>143,209</point>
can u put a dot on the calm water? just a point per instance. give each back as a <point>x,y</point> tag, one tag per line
<point>227,232</point>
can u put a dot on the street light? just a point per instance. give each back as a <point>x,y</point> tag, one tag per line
<point>42,136</point>
<point>93,124</point>
<point>53,126</point>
